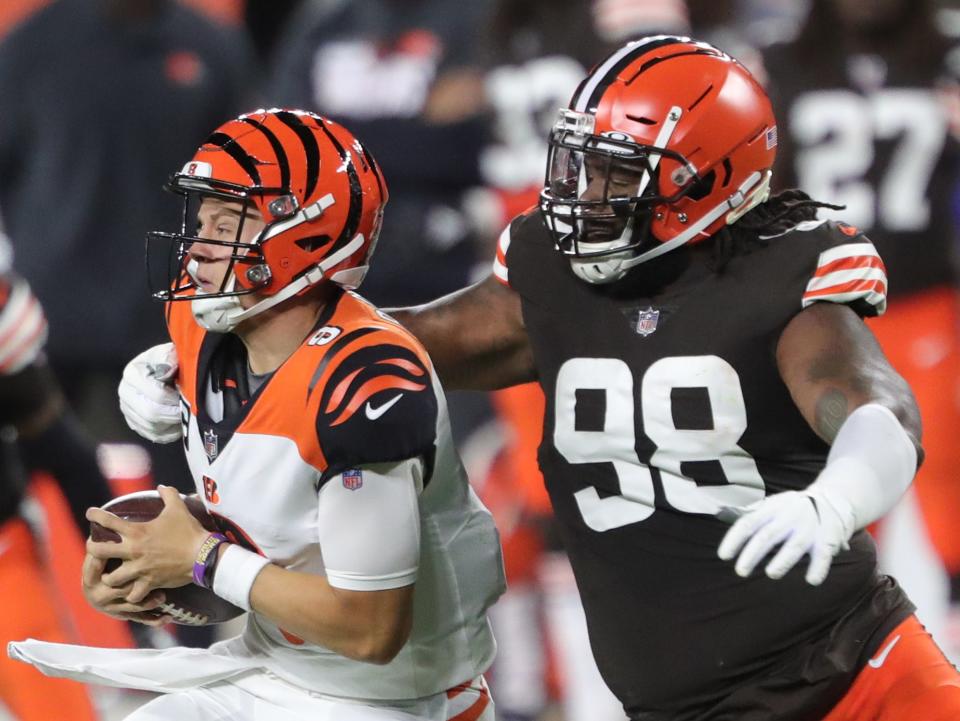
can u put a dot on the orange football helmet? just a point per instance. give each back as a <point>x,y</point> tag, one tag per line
<point>663,143</point>
<point>321,196</point>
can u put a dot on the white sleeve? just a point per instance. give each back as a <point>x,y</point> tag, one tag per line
<point>369,526</point>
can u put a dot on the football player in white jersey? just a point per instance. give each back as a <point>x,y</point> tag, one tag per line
<point>317,436</point>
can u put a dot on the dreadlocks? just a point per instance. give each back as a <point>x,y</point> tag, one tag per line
<point>773,217</point>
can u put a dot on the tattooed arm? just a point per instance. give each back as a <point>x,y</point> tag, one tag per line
<point>832,365</point>
<point>854,400</point>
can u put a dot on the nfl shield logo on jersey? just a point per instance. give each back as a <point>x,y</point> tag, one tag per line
<point>352,479</point>
<point>210,445</point>
<point>647,321</point>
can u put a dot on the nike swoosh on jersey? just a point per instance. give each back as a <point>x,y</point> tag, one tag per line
<point>374,413</point>
<point>877,661</point>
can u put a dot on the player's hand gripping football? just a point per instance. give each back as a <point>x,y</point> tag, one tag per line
<point>113,601</point>
<point>155,554</point>
<point>800,523</point>
<point>149,399</point>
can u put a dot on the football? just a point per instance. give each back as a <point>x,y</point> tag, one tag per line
<point>189,605</point>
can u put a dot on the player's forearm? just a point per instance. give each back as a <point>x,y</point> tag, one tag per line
<point>370,626</point>
<point>475,337</point>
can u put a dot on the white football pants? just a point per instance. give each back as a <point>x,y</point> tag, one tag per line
<point>262,697</point>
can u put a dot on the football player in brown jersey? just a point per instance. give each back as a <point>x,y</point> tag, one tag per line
<point>721,426</point>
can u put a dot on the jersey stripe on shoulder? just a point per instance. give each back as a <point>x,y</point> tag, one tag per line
<point>500,270</point>
<point>23,328</point>
<point>847,273</point>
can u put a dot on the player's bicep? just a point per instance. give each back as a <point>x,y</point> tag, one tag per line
<point>475,336</point>
<point>369,526</point>
<point>832,364</point>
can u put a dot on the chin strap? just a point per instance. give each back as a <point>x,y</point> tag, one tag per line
<point>311,277</point>
<point>230,314</point>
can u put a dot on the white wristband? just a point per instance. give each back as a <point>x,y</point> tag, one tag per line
<point>236,571</point>
<point>870,465</point>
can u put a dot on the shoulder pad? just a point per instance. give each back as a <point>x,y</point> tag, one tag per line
<point>377,403</point>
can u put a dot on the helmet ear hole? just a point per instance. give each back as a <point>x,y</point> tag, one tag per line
<point>727,172</point>
<point>313,242</point>
<point>702,187</point>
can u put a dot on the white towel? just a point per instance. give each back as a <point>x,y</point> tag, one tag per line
<point>160,671</point>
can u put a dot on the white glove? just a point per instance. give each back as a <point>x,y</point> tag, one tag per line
<point>871,463</point>
<point>803,521</point>
<point>149,400</point>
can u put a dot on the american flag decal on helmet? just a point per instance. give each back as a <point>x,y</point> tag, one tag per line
<point>771,137</point>
<point>848,273</point>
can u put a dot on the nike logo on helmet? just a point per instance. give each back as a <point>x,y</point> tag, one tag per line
<point>374,413</point>
<point>877,661</point>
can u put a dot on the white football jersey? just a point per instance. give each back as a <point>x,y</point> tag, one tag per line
<point>359,391</point>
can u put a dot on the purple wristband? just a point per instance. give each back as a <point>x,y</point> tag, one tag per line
<point>206,559</point>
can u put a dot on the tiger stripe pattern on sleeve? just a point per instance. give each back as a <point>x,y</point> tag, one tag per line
<point>374,398</point>
<point>363,374</point>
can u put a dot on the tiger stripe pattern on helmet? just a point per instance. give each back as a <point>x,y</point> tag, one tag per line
<point>353,215</point>
<point>229,145</point>
<point>317,189</point>
<point>311,150</point>
<point>282,162</point>
<point>303,126</point>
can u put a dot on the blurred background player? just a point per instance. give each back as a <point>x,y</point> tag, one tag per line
<point>154,74</point>
<point>37,432</point>
<point>404,75</point>
<point>869,115</point>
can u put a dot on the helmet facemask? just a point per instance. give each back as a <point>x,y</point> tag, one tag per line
<point>178,278</point>
<point>602,193</point>
<point>694,124</point>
